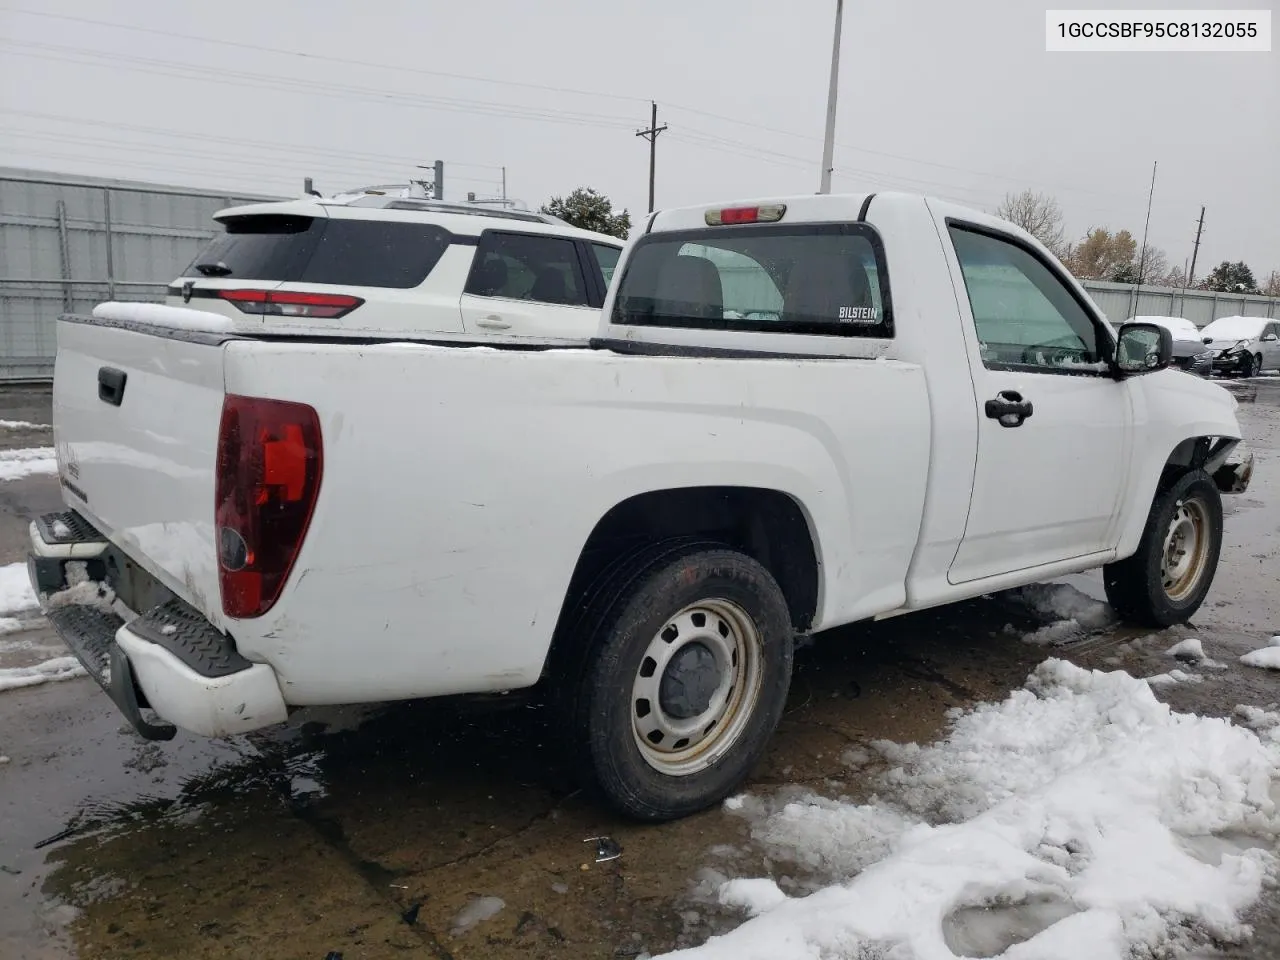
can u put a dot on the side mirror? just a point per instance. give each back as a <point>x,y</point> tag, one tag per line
<point>1208,339</point>
<point>1143,348</point>
<point>1270,338</point>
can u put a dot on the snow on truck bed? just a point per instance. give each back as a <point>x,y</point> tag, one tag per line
<point>1080,817</point>
<point>161,315</point>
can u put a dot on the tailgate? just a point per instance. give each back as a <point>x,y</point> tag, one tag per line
<point>135,414</point>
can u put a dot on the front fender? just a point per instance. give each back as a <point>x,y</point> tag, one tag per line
<point>1170,408</point>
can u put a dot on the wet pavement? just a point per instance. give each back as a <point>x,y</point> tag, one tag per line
<point>451,829</point>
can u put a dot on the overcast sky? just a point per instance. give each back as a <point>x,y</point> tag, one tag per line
<point>957,99</point>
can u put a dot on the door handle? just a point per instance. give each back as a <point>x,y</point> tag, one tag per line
<point>111,385</point>
<point>493,322</point>
<point>1009,409</point>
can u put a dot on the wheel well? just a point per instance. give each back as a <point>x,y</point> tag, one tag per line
<point>764,524</point>
<point>1191,454</point>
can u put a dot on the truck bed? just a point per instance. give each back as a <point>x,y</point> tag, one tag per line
<point>460,485</point>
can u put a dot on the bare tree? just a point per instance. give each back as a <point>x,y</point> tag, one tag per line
<point>1155,269</point>
<point>1271,286</point>
<point>1039,215</point>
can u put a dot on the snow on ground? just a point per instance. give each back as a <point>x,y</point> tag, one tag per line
<point>61,668</point>
<point>1174,676</point>
<point>22,425</point>
<point>16,594</point>
<point>1080,817</point>
<point>1192,650</point>
<point>1075,613</point>
<point>1268,657</point>
<point>1189,649</point>
<point>16,464</point>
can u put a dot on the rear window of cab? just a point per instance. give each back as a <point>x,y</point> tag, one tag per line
<point>818,279</point>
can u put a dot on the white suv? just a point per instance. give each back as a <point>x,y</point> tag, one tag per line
<point>372,263</point>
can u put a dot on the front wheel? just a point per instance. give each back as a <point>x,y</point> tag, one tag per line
<point>689,665</point>
<point>1166,581</point>
<point>1249,365</point>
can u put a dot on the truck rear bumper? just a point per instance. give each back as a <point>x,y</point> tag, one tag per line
<point>169,659</point>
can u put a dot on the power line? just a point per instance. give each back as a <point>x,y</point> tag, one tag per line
<point>291,149</point>
<point>321,58</point>
<point>359,169</point>
<point>327,59</point>
<point>278,83</point>
<point>310,87</point>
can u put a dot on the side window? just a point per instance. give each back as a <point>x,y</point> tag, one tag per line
<point>1026,318</point>
<point>375,253</point>
<point>607,257</point>
<point>520,266</point>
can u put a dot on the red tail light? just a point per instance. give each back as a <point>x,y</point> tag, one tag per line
<point>276,303</point>
<point>726,216</point>
<point>268,478</point>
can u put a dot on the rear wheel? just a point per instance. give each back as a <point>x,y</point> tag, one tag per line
<point>1166,580</point>
<point>687,674</point>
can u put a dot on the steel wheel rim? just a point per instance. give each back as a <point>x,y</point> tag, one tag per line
<point>681,746</point>
<point>1186,549</point>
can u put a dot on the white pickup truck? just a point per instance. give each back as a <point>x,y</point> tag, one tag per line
<point>798,413</point>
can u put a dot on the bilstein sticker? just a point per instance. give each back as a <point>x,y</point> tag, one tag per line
<point>859,315</point>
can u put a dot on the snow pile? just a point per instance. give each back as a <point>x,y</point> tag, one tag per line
<point>1079,818</point>
<point>1189,649</point>
<point>160,315</point>
<point>1192,650</point>
<point>1074,613</point>
<point>22,425</point>
<point>61,668</point>
<point>16,464</point>
<point>1268,657</point>
<point>16,594</point>
<point>1174,676</point>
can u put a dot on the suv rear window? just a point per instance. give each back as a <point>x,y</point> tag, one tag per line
<point>353,253</point>
<point>823,279</point>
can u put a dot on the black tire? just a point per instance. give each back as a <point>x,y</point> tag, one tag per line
<point>1248,366</point>
<point>1136,587</point>
<point>617,632</point>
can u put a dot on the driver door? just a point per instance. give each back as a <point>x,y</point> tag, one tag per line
<point>1047,484</point>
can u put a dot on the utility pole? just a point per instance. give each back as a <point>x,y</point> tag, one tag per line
<point>504,187</point>
<point>1142,261</point>
<point>436,186</point>
<point>652,136</point>
<point>829,140</point>
<point>1195,251</point>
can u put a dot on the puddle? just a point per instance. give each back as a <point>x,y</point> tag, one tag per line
<point>991,929</point>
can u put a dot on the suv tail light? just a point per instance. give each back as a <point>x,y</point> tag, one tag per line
<point>276,303</point>
<point>268,478</point>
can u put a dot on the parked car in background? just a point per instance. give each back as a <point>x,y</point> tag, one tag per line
<point>1243,345</point>
<point>372,263</point>
<point>1190,353</point>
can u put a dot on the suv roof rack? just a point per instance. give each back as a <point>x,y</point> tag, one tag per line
<point>442,206</point>
<point>400,196</point>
